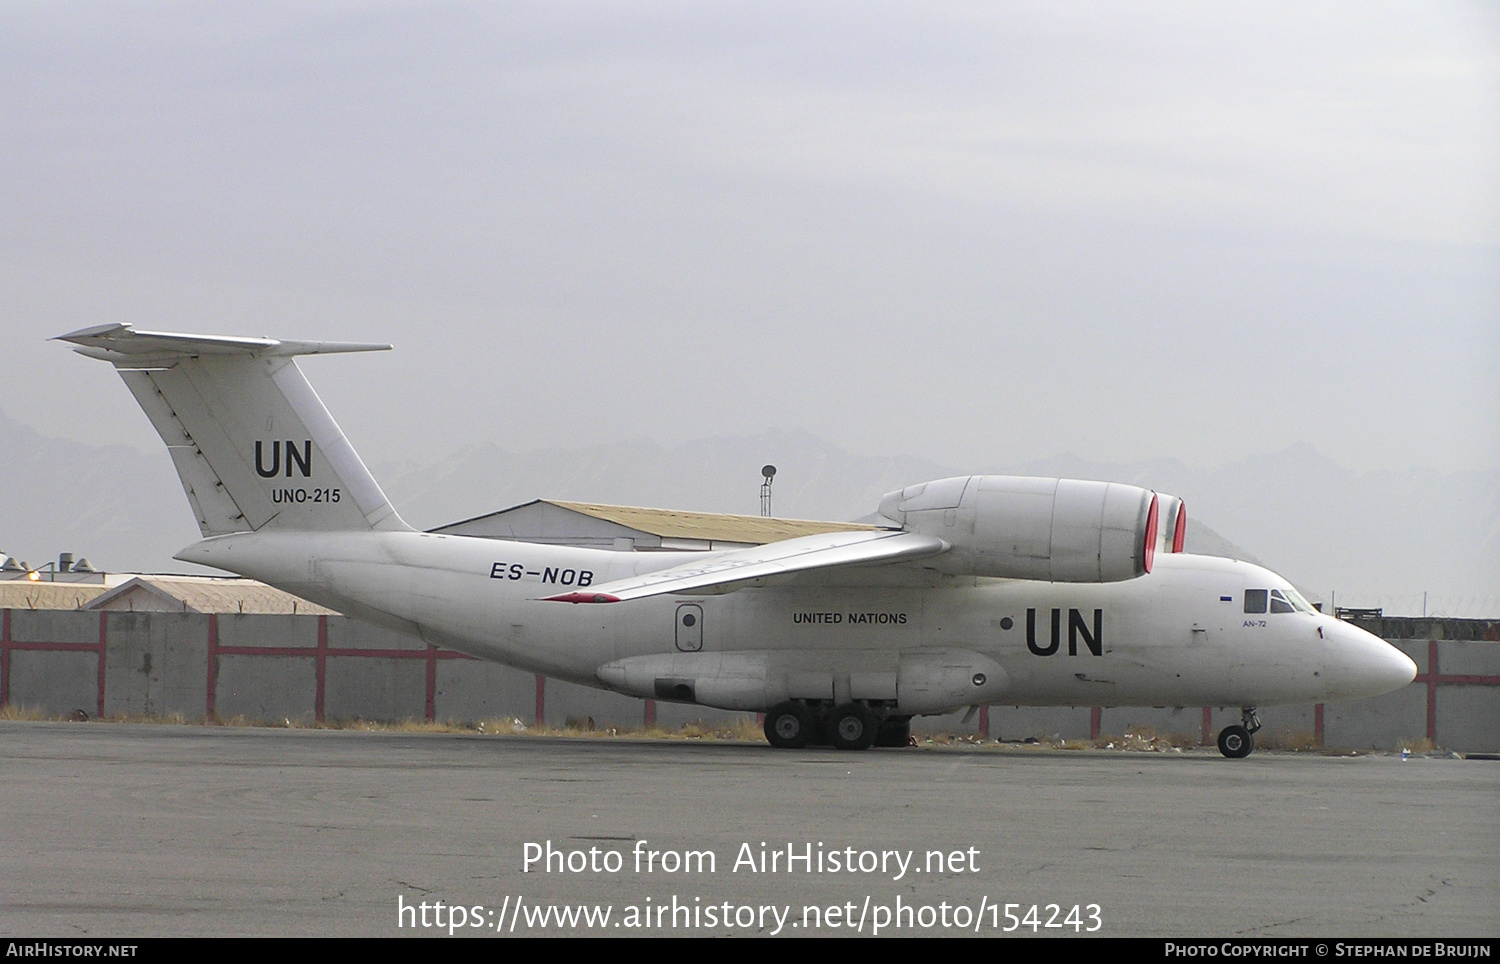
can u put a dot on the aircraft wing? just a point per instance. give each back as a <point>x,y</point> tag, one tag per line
<point>826,550</point>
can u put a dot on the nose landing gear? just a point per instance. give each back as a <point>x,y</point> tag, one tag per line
<point>1236,742</point>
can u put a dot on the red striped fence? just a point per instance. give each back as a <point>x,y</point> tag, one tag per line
<point>320,654</point>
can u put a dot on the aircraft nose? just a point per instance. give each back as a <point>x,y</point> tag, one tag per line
<point>1389,668</point>
<point>1371,666</point>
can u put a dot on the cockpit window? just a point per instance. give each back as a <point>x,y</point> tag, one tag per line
<point>1277,601</point>
<point>1298,602</point>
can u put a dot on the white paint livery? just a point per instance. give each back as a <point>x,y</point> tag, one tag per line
<point>982,589</point>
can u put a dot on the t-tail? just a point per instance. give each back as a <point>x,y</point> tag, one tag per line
<point>254,446</point>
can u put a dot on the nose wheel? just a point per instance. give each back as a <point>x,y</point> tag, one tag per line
<point>1236,742</point>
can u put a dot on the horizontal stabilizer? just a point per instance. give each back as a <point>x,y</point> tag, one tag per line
<point>111,342</point>
<point>825,550</point>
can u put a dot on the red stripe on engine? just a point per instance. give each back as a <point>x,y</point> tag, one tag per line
<point>1150,547</point>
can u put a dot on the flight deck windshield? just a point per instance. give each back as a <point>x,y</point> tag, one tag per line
<point>1277,601</point>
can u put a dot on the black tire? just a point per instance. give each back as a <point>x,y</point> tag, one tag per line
<point>853,726</point>
<point>1236,742</point>
<point>895,731</point>
<point>788,725</point>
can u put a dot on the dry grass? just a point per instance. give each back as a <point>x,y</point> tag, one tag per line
<point>573,727</point>
<point>1297,741</point>
<point>744,729</point>
<point>11,712</point>
<point>741,730</point>
<point>731,730</point>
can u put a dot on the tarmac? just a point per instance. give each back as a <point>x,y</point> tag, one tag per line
<point>140,830</point>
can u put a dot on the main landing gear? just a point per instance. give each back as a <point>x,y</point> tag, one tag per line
<point>850,726</point>
<point>790,725</point>
<point>853,726</point>
<point>1236,742</point>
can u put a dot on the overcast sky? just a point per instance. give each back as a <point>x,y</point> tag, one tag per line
<point>978,234</point>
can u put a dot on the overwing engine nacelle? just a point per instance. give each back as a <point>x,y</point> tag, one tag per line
<point>1057,530</point>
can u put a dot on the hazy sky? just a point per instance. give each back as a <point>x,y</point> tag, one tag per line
<point>974,233</point>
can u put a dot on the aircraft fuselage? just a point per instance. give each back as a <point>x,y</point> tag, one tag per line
<point>1177,636</point>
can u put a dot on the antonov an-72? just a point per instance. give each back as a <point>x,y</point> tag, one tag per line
<point>973,590</point>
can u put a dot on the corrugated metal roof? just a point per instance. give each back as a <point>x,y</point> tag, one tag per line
<point>204,594</point>
<point>711,526</point>
<point>24,594</point>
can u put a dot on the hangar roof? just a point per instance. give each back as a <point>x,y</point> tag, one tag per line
<point>592,524</point>
<point>24,594</point>
<point>718,526</point>
<point>202,594</point>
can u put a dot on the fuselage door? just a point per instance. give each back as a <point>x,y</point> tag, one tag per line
<point>690,627</point>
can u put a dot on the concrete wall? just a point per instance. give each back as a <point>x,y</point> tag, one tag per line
<point>49,660</point>
<point>473,690</point>
<point>155,664</point>
<point>305,668</point>
<point>57,683</point>
<point>267,688</point>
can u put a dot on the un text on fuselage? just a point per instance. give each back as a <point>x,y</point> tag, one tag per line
<point>1093,641</point>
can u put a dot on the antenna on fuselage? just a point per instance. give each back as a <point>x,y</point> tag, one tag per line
<point>768,472</point>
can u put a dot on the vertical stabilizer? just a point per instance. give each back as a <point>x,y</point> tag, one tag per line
<point>252,442</point>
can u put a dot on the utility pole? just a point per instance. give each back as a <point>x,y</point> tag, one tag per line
<point>768,472</point>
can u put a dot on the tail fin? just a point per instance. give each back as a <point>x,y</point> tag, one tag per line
<point>252,442</point>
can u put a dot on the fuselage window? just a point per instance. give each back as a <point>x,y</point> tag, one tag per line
<point>1279,603</point>
<point>1255,600</point>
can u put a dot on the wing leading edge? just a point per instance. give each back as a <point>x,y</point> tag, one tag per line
<point>826,550</point>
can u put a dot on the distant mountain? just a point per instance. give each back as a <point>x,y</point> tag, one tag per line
<point>121,510</point>
<point>1381,534</point>
<point>1371,536</point>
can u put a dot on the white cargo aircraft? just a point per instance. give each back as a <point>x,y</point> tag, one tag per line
<point>974,590</point>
